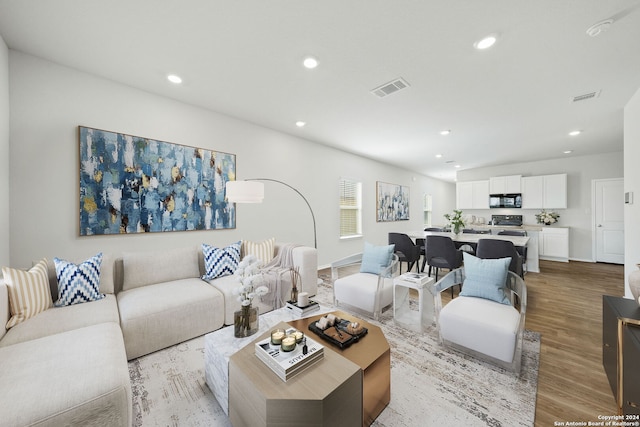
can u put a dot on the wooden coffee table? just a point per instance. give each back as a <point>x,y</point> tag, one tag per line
<point>372,354</point>
<point>327,394</point>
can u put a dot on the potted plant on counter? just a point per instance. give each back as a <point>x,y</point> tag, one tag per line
<point>455,220</point>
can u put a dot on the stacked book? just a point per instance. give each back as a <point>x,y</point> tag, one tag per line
<point>418,278</point>
<point>302,311</point>
<point>287,364</point>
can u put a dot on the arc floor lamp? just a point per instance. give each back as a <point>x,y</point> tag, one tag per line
<point>252,191</point>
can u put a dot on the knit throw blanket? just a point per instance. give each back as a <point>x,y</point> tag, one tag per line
<point>273,272</point>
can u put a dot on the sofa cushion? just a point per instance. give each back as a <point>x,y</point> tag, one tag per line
<point>481,325</point>
<point>78,378</point>
<point>78,283</point>
<point>148,268</point>
<point>62,319</point>
<point>28,292</point>
<point>359,290</point>
<point>220,262</point>
<point>162,315</point>
<point>228,286</point>
<point>264,251</point>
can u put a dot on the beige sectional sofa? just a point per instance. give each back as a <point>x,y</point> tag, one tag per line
<point>68,365</point>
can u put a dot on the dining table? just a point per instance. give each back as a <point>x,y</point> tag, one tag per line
<point>471,239</point>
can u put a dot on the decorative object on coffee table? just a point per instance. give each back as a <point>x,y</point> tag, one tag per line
<point>295,278</point>
<point>245,320</point>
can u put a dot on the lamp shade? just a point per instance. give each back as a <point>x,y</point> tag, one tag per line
<point>245,191</point>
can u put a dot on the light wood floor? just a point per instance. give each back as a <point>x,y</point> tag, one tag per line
<point>565,306</point>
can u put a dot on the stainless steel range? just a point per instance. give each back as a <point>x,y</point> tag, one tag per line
<point>507,220</point>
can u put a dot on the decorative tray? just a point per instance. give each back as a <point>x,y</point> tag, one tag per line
<point>337,334</point>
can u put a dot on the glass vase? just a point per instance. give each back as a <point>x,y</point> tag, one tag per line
<point>245,321</point>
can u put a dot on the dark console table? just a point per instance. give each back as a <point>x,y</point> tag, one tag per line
<point>621,351</point>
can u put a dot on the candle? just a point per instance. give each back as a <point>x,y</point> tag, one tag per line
<point>303,299</point>
<point>298,336</point>
<point>288,343</point>
<point>276,336</point>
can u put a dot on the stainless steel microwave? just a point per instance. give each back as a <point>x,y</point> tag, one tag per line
<point>505,200</point>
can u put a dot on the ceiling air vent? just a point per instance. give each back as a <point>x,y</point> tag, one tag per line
<point>389,88</point>
<point>586,96</point>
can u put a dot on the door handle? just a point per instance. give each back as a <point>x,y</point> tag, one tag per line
<point>599,225</point>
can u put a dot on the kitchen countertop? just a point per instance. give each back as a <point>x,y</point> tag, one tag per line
<point>526,227</point>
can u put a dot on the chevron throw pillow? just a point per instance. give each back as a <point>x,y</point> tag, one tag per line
<point>78,283</point>
<point>220,262</point>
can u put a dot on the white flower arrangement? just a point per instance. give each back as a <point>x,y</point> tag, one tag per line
<point>547,218</point>
<point>251,281</point>
<point>456,220</point>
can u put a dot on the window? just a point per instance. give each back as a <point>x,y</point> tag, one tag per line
<point>350,208</point>
<point>427,210</point>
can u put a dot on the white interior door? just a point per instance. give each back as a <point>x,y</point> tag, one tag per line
<point>609,220</point>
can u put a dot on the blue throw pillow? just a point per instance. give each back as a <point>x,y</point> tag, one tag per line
<point>376,258</point>
<point>220,262</point>
<point>78,283</point>
<point>486,278</point>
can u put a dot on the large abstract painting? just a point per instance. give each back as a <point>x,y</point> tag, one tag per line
<point>130,184</point>
<point>392,202</point>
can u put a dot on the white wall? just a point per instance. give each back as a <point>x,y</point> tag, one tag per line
<point>49,102</point>
<point>4,154</point>
<point>580,170</point>
<point>632,183</point>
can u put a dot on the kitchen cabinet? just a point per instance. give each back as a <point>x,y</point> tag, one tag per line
<point>472,195</point>
<point>553,243</point>
<point>614,308</point>
<point>505,184</point>
<point>544,191</point>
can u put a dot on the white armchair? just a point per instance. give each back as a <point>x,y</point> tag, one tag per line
<point>365,293</point>
<point>481,327</point>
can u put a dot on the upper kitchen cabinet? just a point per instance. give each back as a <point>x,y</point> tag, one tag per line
<point>505,184</point>
<point>472,195</point>
<point>544,192</point>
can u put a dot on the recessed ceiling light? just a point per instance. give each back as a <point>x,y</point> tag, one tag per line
<point>174,79</point>
<point>310,62</point>
<point>445,132</point>
<point>456,166</point>
<point>575,133</point>
<point>567,152</point>
<point>300,123</point>
<point>486,42</point>
<point>438,156</point>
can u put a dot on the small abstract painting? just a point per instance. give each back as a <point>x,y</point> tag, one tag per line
<point>392,202</point>
<point>131,184</point>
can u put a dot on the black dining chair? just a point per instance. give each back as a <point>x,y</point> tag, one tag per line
<point>406,250</point>
<point>494,248</point>
<point>522,250</point>
<point>441,252</point>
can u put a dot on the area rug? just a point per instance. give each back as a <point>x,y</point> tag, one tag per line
<point>430,385</point>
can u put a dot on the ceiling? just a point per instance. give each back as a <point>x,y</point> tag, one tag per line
<point>510,103</point>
